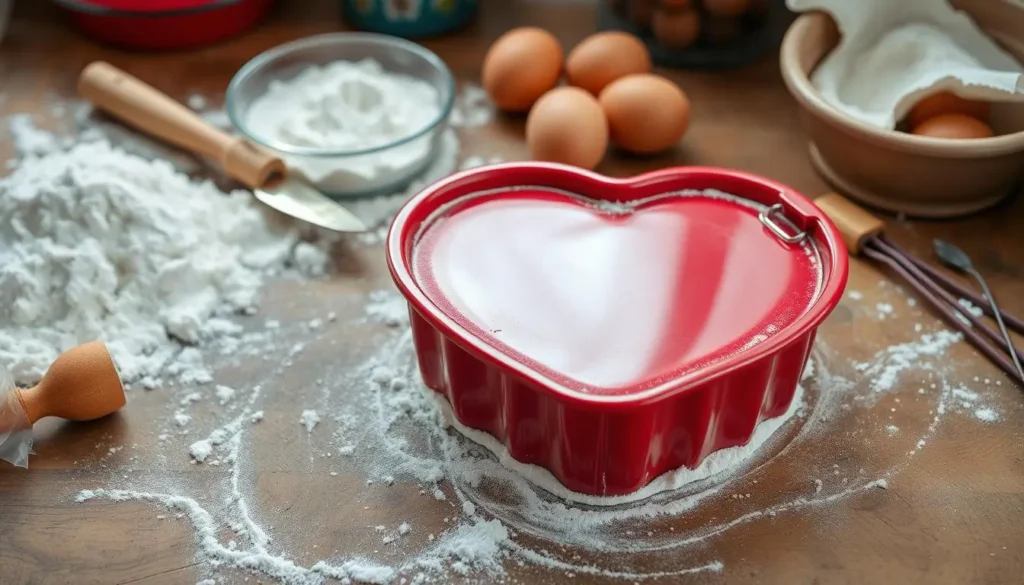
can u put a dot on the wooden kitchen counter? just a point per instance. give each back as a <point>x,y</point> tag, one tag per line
<point>953,511</point>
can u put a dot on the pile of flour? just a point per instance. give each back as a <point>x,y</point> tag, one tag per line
<point>347,106</point>
<point>100,244</point>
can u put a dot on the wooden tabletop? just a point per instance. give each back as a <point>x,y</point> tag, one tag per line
<point>951,514</point>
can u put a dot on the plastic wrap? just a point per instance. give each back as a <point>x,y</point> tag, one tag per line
<point>15,428</point>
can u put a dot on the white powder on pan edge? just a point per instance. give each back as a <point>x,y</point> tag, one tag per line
<point>100,244</point>
<point>723,461</point>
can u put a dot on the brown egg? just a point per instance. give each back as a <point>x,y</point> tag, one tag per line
<point>721,30</point>
<point>641,12</point>
<point>567,126</point>
<point>604,57</point>
<point>760,7</point>
<point>945,102</point>
<point>727,7</point>
<point>676,29</point>
<point>521,66</point>
<point>953,126</point>
<point>646,113</point>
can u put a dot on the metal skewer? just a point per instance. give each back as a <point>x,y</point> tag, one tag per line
<point>957,259</point>
<point>951,285</point>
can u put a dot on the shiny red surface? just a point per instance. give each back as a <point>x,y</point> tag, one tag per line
<point>612,302</point>
<point>623,360</point>
<point>167,25</point>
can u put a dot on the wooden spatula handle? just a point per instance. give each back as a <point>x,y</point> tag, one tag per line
<point>150,110</point>
<point>854,223</point>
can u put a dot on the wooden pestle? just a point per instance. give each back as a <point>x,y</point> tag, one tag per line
<point>82,384</point>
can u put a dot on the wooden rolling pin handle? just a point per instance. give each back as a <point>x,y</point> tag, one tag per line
<point>150,110</point>
<point>854,223</point>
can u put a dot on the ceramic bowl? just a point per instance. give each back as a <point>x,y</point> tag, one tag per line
<point>897,171</point>
<point>608,330</point>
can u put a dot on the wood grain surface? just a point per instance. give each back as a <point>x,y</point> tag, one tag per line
<point>952,512</point>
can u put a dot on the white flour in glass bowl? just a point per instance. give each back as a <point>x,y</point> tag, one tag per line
<point>349,106</point>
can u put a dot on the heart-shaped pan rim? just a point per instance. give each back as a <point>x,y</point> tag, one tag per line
<point>422,208</point>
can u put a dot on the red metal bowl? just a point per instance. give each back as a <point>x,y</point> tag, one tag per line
<point>163,25</point>
<point>613,330</point>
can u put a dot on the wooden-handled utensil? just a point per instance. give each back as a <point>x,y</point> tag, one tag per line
<point>82,384</point>
<point>863,235</point>
<point>151,111</point>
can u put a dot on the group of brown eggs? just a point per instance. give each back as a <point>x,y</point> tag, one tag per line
<point>947,115</point>
<point>611,95</point>
<point>677,24</point>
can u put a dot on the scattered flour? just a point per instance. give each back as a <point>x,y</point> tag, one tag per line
<point>100,244</point>
<point>482,541</point>
<point>224,394</point>
<point>28,139</point>
<point>986,415</point>
<point>389,308</point>
<point>885,369</point>
<point>971,307</point>
<point>884,310</point>
<point>200,450</point>
<point>472,107</point>
<point>309,419</point>
<point>196,101</point>
<point>191,398</point>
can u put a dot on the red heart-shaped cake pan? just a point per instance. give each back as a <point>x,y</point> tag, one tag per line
<point>611,330</point>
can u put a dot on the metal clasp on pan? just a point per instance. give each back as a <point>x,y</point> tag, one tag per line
<point>773,217</point>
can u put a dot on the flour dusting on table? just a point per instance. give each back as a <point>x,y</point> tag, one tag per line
<point>373,427</point>
<point>393,430</point>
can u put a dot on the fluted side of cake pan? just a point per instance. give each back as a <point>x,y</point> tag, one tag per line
<point>607,450</point>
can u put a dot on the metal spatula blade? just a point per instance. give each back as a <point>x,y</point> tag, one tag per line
<point>952,256</point>
<point>300,200</point>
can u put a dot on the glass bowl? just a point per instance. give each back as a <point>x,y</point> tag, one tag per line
<point>384,168</point>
